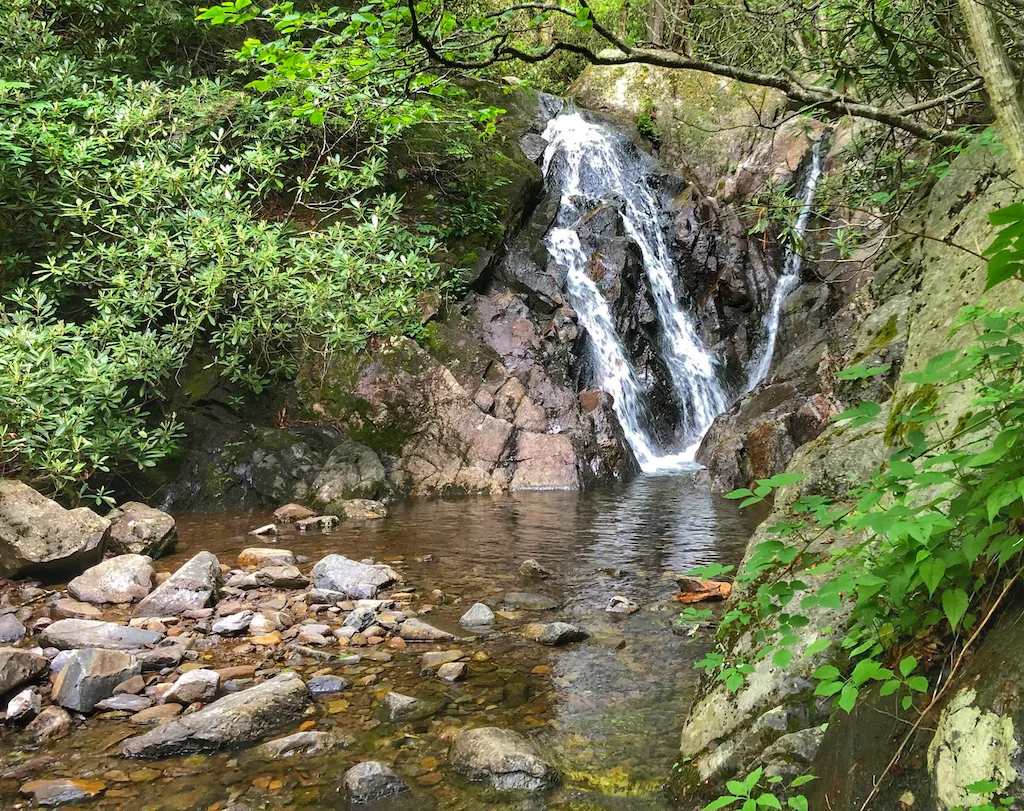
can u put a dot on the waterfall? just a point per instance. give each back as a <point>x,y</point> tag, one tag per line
<point>598,166</point>
<point>789,278</point>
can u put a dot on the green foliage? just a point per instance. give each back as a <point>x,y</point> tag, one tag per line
<point>753,795</point>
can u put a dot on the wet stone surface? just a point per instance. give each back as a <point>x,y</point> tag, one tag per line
<point>604,712</point>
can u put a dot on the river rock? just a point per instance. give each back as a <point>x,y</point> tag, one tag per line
<point>195,685</point>
<point>530,569</point>
<point>66,608</point>
<point>233,624</point>
<point>52,723</point>
<point>12,629</point>
<point>290,513</point>
<point>357,580</point>
<point>322,522</point>
<point>415,630</point>
<point>39,538</point>
<point>125,703</point>
<point>326,685</point>
<point>266,529</point>
<point>352,471</point>
<point>429,662</point>
<point>527,601</point>
<point>621,605</point>
<point>123,579</point>
<point>194,585</point>
<point>478,615</point>
<point>74,634</point>
<point>310,742</point>
<point>19,666</point>
<point>89,676</point>
<point>136,528</point>
<point>371,781</point>
<point>279,577</point>
<point>161,657</point>
<point>361,618</point>
<point>452,671</point>
<point>501,757</point>
<point>63,791</point>
<point>362,509</point>
<point>555,633</point>
<point>403,708</point>
<point>24,706</point>
<point>154,716</point>
<point>256,557</point>
<point>237,719</point>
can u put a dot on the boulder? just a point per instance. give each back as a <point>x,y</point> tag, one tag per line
<point>478,615</point>
<point>281,577</point>
<point>237,719</point>
<point>39,538</point>
<point>89,676</point>
<point>12,629</point>
<point>194,585</point>
<point>256,557</point>
<point>362,509</point>
<point>528,601</point>
<point>503,758</point>
<point>62,791</point>
<point>371,781</point>
<point>195,685</point>
<point>351,471</point>
<point>561,633</point>
<point>123,579</point>
<point>24,706</point>
<point>52,723</point>
<point>415,630</point>
<point>138,529</point>
<point>66,608</point>
<point>530,569</point>
<point>402,708</point>
<point>310,742</point>
<point>322,522</point>
<point>357,580</point>
<point>18,666</point>
<point>290,513</point>
<point>74,634</point>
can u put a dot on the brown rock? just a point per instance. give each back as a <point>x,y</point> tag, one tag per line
<point>290,513</point>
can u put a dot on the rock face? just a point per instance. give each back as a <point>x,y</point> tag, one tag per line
<point>89,676</point>
<point>194,585</point>
<point>141,530</point>
<point>236,720</point>
<point>40,538</point>
<point>123,579</point>
<point>503,758</point>
<point>357,580</point>
<point>352,471</point>
<point>370,781</point>
<point>19,666</point>
<point>72,634</point>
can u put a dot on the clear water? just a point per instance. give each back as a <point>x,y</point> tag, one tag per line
<point>789,278</point>
<point>608,718</point>
<point>594,163</point>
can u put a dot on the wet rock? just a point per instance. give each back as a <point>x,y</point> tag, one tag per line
<point>154,716</point>
<point>39,538</point>
<point>503,758</point>
<point>452,671</point>
<point>532,570</point>
<point>256,557</point>
<point>533,146</point>
<point>266,529</point>
<point>527,601</point>
<point>194,585</point>
<point>326,685</point>
<point>66,608</point>
<point>478,615</point>
<point>24,707</point>
<point>371,781</point>
<point>362,509</point>
<point>52,723</point>
<point>290,513</point>
<point>63,791</point>
<point>138,529</point>
<point>555,633</point>
<point>122,579</point>
<point>621,605</point>
<point>234,720</point>
<point>278,577</point>
<point>699,591</point>
<point>11,629</point>
<point>356,580</point>
<point>310,742</point>
<point>415,630</point>
<point>125,703</point>
<point>161,657</point>
<point>322,522</point>
<point>89,676</point>
<point>361,618</point>
<point>545,462</point>
<point>19,666</point>
<point>74,634</point>
<point>352,471</point>
<point>236,623</point>
<point>402,708</point>
<point>195,685</point>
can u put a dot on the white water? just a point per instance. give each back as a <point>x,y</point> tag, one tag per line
<point>597,167</point>
<point>789,279</point>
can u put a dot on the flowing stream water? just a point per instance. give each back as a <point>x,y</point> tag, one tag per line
<point>591,163</point>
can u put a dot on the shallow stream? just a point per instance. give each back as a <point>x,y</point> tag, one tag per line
<point>606,712</point>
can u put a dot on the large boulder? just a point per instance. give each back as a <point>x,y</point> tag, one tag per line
<point>237,719</point>
<point>194,585</point>
<point>123,579</point>
<point>357,580</point>
<point>17,667</point>
<point>138,529</point>
<point>72,634</point>
<point>545,462</point>
<point>89,676</point>
<point>39,538</point>
<point>501,757</point>
<point>351,471</point>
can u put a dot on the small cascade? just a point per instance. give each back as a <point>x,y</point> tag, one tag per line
<point>595,165</point>
<point>789,278</point>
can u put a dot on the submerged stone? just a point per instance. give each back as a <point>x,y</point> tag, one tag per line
<point>501,757</point>
<point>371,781</point>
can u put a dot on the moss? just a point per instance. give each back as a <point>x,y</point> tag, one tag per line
<point>881,339</point>
<point>897,428</point>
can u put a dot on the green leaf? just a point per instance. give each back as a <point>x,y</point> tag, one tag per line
<point>907,665</point>
<point>954,604</point>
<point>768,801</point>
<point>919,684</point>
<point>932,571</point>
<point>889,688</point>
<point>848,698</point>
<point>782,658</point>
<point>817,646</point>
<point>721,802</point>
<point>982,787</point>
<point>826,672</point>
<point>798,803</point>
<point>802,780</point>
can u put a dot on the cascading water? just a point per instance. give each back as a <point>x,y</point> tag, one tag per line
<point>598,166</point>
<point>789,279</point>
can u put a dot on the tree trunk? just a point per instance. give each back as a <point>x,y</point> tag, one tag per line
<point>656,21</point>
<point>1005,92</point>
